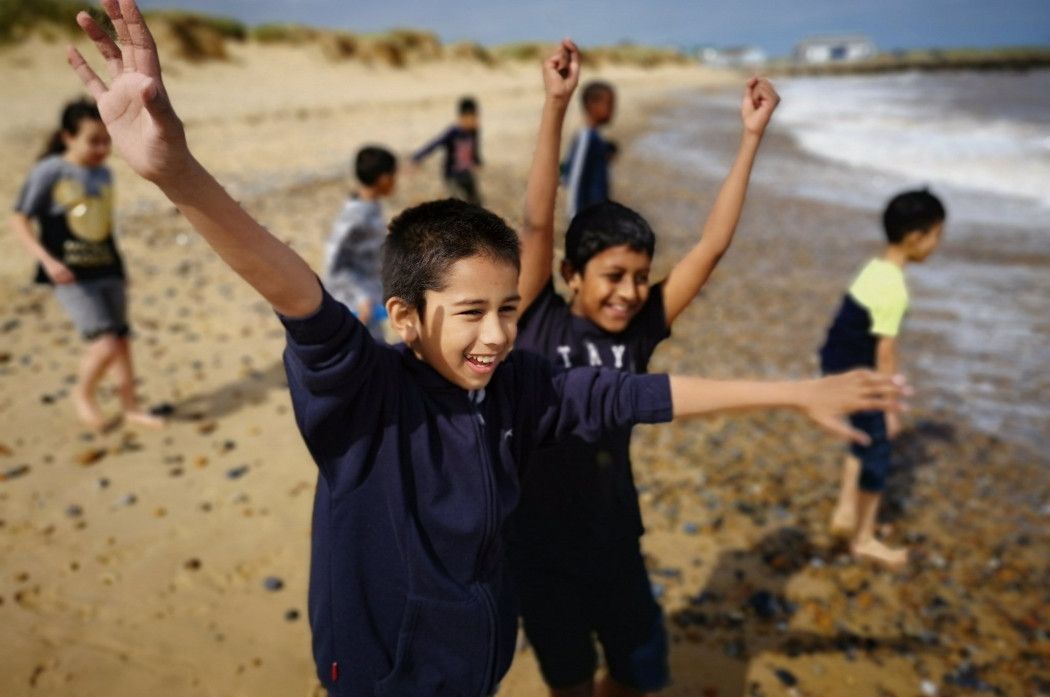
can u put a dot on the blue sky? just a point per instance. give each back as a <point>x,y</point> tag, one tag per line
<point>771,24</point>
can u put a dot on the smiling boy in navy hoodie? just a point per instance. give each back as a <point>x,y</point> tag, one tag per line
<point>418,445</point>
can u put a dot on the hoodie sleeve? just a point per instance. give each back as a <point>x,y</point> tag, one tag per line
<point>590,402</point>
<point>331,363</point>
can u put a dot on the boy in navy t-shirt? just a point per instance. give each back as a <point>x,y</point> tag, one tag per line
<point>579,518</point>
<point>418,445</point>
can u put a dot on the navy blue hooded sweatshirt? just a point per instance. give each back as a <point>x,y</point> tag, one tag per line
<point>409,594</point>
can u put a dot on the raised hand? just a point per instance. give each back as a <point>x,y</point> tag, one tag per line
<point>135,106</point>
<point>561,72</point>
<point>759,102</point>
<point>831,398</point>
<point>148,134</point>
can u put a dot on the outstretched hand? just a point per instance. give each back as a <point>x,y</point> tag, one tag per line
<point>833,397</point>
<point>561,72</point>
<point>135,106</point>
<point>760,100</point>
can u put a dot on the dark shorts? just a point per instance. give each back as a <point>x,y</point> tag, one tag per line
<point>874,458</point>
<point>565,606</point>
<point>96,307</point>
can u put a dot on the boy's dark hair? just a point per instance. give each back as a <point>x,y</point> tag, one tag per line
<point>604,225</point>
<point>595,90</point>
<point>372,162</point>
<point>467,105</point>
<point>426,240</point>
<point>911,211</point>
<point>72,114</point>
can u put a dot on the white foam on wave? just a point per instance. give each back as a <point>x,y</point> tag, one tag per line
<point>911,126</point>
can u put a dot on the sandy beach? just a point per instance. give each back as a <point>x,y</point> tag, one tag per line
<point>175,562</point>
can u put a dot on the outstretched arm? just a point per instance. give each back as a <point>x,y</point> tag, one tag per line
<point>825,400</point>
<point>588,402</point>
<point>149,135</point>
<point>439,140</point>
<point>561,74</point>
<point>691,273</point>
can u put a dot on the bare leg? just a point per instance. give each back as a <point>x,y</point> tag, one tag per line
<point>100,353</point>
<point>125,376</point>
<point>610,688</point>
<point>584,690</point>
<point>844,518</point>
<point>865,545</point>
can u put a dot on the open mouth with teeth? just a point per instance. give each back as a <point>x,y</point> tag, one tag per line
<point>620,311</point>
<point>482,363</point>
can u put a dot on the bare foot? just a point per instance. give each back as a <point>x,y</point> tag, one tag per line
<point>144,418</point>
<point>88,412</point>
<point>893,558</point>
<point>844,521</point>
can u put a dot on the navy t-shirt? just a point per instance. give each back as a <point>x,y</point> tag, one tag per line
<point>578,495</point>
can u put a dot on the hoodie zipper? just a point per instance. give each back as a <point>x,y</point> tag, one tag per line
<point>491,518</point>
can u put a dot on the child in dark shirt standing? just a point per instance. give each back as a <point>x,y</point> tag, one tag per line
<point>575,542</point>
<point>864,334</point>
<point>462,144</point>
<point>586,166</point>
<point>418,445</point>
<point>70,194</point>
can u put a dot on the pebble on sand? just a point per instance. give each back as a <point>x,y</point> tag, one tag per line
<point>90,456</point>
<point>237,472</point>
<point>14,473</point>
<point>273,583</point>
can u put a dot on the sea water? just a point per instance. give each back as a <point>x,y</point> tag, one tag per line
<point>980,141</point>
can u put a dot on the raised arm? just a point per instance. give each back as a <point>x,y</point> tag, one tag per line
<point>561,74</point>
<point>691,273</point>
<point>147,132</point>
<point>825,401</point>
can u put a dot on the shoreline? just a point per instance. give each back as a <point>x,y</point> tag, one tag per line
<point>971,343</point>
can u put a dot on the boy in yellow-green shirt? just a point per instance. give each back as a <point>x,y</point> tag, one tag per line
<point>864,333</point>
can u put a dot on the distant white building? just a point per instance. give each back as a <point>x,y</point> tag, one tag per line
<point>733,57</point>
<point>834,49</point>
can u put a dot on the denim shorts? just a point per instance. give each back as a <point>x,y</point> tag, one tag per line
<point>96,307</point>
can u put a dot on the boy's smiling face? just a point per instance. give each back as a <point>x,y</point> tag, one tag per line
<point>613,287</point>
<point>469,326</point>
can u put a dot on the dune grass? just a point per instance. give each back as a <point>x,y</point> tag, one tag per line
<point>198,37</point>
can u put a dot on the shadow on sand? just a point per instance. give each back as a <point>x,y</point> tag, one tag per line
<point>227,399</point>
<point>742,612</point>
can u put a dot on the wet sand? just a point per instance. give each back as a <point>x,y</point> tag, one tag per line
<point>175,562</point>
